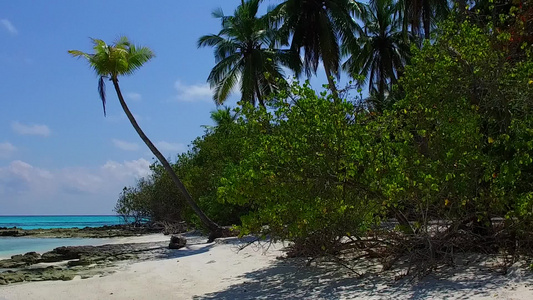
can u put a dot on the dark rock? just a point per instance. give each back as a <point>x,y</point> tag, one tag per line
<point>31,257</point>
<point>16,261</point>
<point>10,264</point>
<point>12,232</point>
<point>177,242</point>
<point>19,261</point>
<point>63,253</point>
<point>83,261</point>
<point>18,257</point>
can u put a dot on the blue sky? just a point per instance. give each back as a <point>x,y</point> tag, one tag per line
<point>58,154</point>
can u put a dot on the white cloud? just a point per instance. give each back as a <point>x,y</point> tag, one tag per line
<point>134,96</point>
<point>19,177</point>
<point>110,177</point>
<point>136,168</point>
<point>30,129</point>
<point>126,146</point>
<point>80,181</point>
<point>28,172</point>
<point>193,93</point>
<point>27,189</point>
<point>9,27</point>
<point>171,147</point>
<point>7,149</point>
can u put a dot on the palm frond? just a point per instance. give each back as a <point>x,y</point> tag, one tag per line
<point>136,58</point>
<point>210,40</point>
<point>101,92</point>
<point>223,68</point>
<point>78,54</point>
<point>223,87</point>
<point>123,41</point>
<point>226,48</point>
<point>217,13</point>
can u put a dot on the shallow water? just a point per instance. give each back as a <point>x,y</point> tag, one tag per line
<point>19,245</point>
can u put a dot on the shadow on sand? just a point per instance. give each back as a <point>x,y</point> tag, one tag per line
<point>195,245</point>
<point>189,250</point>
<point>291,279</point>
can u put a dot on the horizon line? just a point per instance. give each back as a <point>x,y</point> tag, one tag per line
<point>92,215</point>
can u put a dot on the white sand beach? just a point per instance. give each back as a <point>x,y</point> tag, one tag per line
<point>219,271</point>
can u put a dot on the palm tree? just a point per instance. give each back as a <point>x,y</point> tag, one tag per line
<point>223,118</point>
<point>243,52</point>
<point>421,15</point>
<point>123,58</point>
<point>319,27</point>
<point>381,52</point>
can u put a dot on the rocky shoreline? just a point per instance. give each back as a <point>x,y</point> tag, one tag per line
<point>86,232</point>
<point>66,263</point>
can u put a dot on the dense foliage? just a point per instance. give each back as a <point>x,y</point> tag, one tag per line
<point>445,166</point>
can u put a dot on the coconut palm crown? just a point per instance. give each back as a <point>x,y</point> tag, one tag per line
<point>244,55</point>
<point>381,52</point>
<point>111,61</point>
<point>319,28</point>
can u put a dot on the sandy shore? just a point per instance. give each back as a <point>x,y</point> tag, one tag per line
<point>219,271</point>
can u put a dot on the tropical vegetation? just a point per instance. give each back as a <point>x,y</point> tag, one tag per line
<point>426,154</point>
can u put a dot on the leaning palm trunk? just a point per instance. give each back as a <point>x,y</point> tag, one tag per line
<point>213,227</point>
<point>123,58</point>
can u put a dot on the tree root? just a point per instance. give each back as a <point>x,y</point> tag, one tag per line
<point>222,232</point>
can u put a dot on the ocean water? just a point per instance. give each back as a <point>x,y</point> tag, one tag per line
<point>20,245</point>
<point>47,222</point>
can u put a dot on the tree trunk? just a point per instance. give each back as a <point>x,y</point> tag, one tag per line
<point>427,19</point>
<point>213,227</point>
<point>331,83</point>
<point>461,7</point>
<point>258,94</point>
<point>381,88</point>
<point>405,24</point>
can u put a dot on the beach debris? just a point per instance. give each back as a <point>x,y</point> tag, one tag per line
<point>177,242</point>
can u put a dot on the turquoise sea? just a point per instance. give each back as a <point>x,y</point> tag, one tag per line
<point>20,245</point>
<point>47,222</point>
